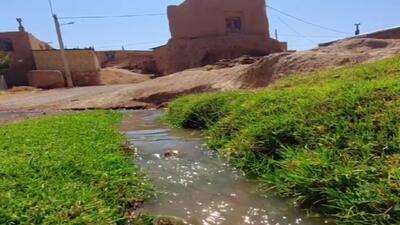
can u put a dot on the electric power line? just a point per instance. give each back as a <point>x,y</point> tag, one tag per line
<point>294,30</point>
<point>306,22</point>
<point>310,36</point>
<point>163,14</point>
<point>116,16</point>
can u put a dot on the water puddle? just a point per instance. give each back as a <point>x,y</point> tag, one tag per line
<point>196,184</point>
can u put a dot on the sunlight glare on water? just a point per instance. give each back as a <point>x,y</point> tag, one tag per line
<point>198,186</point>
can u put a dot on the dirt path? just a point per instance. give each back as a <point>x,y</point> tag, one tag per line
<point>147,94</point>
<point>13,117</point>
<point>52,99</point>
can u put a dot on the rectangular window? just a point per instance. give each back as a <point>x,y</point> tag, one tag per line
<point>6,45</point>
<point>233,24</point>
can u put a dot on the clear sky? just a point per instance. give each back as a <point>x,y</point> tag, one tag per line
<point>152,31</point>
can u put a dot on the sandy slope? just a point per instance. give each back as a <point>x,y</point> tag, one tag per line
<point>110,76</point>
<point>343,53</point>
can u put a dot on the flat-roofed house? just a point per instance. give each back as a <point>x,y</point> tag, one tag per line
<point>20,45</point>
<point>204,31</point>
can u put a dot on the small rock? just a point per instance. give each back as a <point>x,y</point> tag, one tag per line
<point>168,220</point>
<point>171,153</point>
<point>208,67</point>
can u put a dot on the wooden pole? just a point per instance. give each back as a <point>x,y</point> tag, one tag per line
<point>67,70</point>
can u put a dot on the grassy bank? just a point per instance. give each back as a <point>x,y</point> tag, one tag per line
<point>67,170</point>
<point>329,140</point>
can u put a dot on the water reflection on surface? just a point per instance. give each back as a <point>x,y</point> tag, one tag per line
<point>196,184</point>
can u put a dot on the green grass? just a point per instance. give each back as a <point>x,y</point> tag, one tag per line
<point>330,140</point>
<point>67,169</point>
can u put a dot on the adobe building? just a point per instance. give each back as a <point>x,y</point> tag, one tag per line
<point>34,62</point>
<point>20,45</point>
<point>204,31</point>
<point>83,63</point>
<point>138,61</point>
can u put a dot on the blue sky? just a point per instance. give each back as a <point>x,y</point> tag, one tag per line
<point>147,32</point>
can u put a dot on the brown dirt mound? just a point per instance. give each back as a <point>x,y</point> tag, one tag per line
<point>259,74</point>
<point>22,89</point>
<point>349,52</point>
<point>111,76</point>
<point>159,91</point>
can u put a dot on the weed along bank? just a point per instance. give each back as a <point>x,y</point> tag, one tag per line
<point>329,140</point>
<point>68,169</point>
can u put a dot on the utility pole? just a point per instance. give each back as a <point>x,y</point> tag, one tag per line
<point>357,28</point>
<point>276,34</point>
<point>67,70</point>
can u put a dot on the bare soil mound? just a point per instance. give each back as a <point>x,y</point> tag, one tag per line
<point>247,76</point>
<point>225,75</point>
<point>156,92</point>
<point>111,76</point>
<point>20,90</point>
<point>348,52</point>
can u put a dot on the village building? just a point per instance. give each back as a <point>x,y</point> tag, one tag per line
<point>204,31</point>
<point>20,46</point>
<point>138,61</point>
<point>36,63</point>
<point>83,64</point>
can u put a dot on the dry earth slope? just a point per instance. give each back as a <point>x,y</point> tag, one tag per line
<point>157,92</point>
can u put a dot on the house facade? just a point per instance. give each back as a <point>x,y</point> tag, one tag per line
<point>204,31</point>
<point>83,64</point>
<point>138,61</point>
<point>20,45</point>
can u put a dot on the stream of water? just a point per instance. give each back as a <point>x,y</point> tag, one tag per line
<point>196,184</point>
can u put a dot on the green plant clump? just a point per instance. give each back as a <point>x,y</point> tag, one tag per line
<point>330,140</point>
<point>67,169</point>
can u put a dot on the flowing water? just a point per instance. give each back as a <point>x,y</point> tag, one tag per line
<point>197,185</point>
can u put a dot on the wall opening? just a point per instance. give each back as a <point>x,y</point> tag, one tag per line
<point>233,24</point>
<point>6,45</point>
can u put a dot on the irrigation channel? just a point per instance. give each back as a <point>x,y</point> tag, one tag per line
<point>198,186</point>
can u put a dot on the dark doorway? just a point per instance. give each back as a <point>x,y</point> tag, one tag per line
<point>234,24</point>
